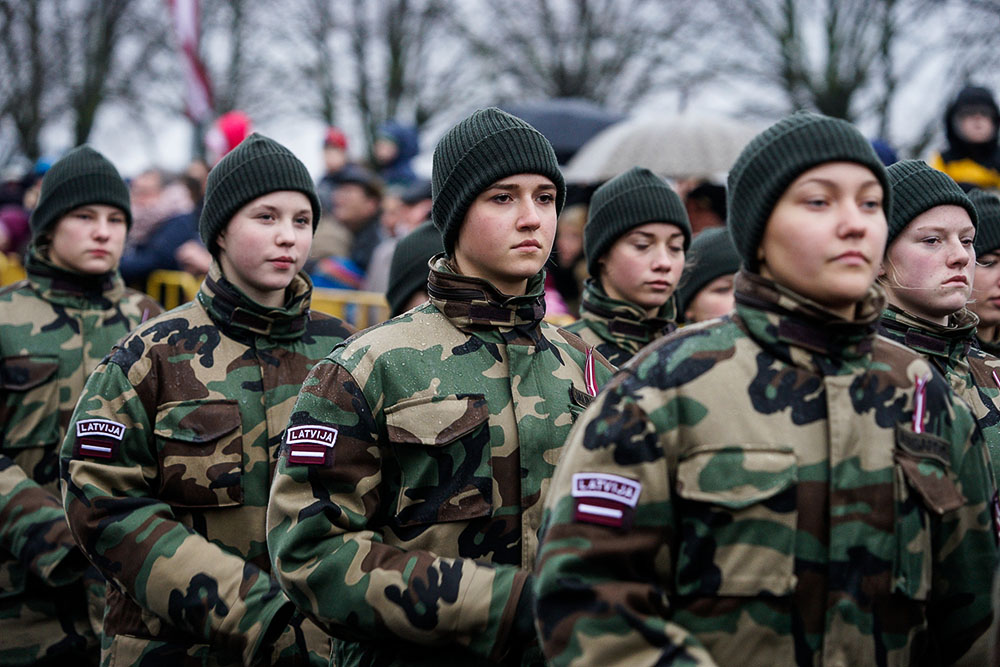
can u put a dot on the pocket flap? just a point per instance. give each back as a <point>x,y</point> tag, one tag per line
<point>435,420</point>
<point>27,371</point>
<point>197,422</point>
<point>735,477</point>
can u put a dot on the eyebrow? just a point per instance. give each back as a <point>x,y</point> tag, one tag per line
<point>514,186</point>
<point>639,232</point>
<point>924,229</point>
<point>271,208</point>
<point>834,184</point>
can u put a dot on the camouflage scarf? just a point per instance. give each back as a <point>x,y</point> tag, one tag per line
<point>622,322</point>
<point>243,319</point>
<point>946,345</point>
<point>474,304</point>
<point>803,332</point>
<point>71,288</point>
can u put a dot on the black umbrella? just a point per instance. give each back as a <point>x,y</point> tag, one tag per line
<point>567,122</point>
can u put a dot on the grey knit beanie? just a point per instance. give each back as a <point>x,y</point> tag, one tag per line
<point>408,270</point>
<point>485,147</point>
<point>712,255</point>
<point>988,230</point>
<point>919,187</point>
<point>257,166</point>
<point>626,201</point>
<point>776,157</point>
<point>82,176</point>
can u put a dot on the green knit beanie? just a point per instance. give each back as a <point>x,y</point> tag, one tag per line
<point>257,166</point>
<point>476,153</point>
<point>988,230</point>
<point>83,176</point>
<point>712,255</point>
<point>919,187</point>
<point>779,155</point>
<point>626,201</point>
<point>408,270</point>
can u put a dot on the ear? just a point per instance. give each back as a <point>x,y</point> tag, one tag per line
<point>220,240</point>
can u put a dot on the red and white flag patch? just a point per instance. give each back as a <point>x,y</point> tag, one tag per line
<point>310,444</point>
<point>604,499</point>
<point>98,438</point>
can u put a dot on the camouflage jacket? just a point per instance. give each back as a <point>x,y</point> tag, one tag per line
<point>972,373</point>
<point>168,463</point>
<point>55,327</point>
<point>775,487</point>
<point>405,510</point>
<point>619,329</point>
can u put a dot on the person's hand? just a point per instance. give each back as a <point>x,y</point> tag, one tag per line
<point>193,258</point>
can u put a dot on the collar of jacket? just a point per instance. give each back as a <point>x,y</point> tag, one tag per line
<point>473,304</point>
<point>802,331</point>
<point>242,318</point>
<point>988,346</point>
<point>623,319</point>
<point>71,288</point>
<point>949,343</point>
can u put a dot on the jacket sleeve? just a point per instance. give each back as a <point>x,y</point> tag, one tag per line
<point>599,597</point>
<point>33,528</point>
<point>136,540</point>
<point>329,553</point>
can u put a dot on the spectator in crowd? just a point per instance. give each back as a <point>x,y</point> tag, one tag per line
<point>357,208</point>
<point>395,147</point>
<point>782,486</point>
<point>169,457</point>
<point>705,203</point>
<point>972,157</point>
<point>636,235</point>
<point>706,288</point>
<point>928,272</point>
<point>55,327</point>
<point>226,133</point>
<point>404,513</point>
<point>15,231</point>
<point>414,207</point>
<point>335,159</point>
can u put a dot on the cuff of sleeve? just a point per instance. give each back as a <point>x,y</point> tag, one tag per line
<point>516,613</point>
<point>271,628</point>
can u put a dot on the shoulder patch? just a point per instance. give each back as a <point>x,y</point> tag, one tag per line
<point>310,444</point>
<point>605,499</point>
<point>98,438</point>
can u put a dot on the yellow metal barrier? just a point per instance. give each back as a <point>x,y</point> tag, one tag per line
<point>362,309</point>
<point>11,269</point>
<point>172,288</point>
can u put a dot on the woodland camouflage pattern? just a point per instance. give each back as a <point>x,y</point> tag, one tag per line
<point>972,373</point>
<point>175,517</point>
<point>619,329</point>
<point>788,514</point>
<point>55,327</point>
<point>413,539</point>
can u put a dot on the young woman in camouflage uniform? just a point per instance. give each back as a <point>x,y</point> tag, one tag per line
<point>55,327</point>
<point>171,450</point>
<point>780,486</point>
<point>636,233</point>
<point>408,497</point>
<point>706,289</point>
<point>929,265</point>
<point>985,301</point>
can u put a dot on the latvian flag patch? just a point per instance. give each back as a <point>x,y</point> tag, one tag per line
<point>310,444</point>
<point>98,438</point>
<point>607,500</point>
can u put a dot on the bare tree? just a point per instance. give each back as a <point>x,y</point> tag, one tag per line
<point>609,51</point>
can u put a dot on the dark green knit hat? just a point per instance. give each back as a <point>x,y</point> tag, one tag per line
<point>408,270</point>
<point>626,201</point>
<point>712,255</point>
<point>988,230</point>
<point>919,187</point>
<point>82,176</point>
<point>257,166</point>
<point>477,152</point>
<point>776,157</point>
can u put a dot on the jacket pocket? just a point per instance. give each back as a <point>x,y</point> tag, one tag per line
<point>442,445</point>
<point>32,400</point>
<point>200,446</point>
<point>924,488</point>
<point>737,518</point>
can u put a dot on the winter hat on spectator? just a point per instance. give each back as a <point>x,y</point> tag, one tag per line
<point>712,255</point>
<point>408,270</point>
<point>485,147</point>
<point>626,201</point>
<point>82,176</point>
<point>988,231</point>
<point>335,137</point>
<point>918,187</point>
<point>257,166</point>
<point>776,157</point>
